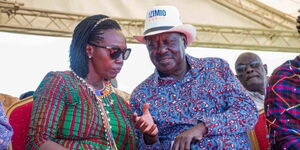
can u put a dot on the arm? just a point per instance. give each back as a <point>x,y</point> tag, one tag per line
<point>282,110</point>
<point>6,130</point>
<point>146,125</point>
<point>143,141</point>
<point>47,108</point>
<point>240,114</point>
<point>183,141</point>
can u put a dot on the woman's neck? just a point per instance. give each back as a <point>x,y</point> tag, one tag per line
<point>95,81</point>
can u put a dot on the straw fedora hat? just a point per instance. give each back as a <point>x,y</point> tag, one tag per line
<point>162,19</point>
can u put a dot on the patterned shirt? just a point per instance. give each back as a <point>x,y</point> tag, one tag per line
<point>6,130</point>
<point>208,92</point>
<point>282,106</point>
<point>65,112</point>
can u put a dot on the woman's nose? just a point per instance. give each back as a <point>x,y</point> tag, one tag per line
<point>119,60</point>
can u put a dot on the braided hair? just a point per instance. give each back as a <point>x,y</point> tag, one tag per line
<point>88,30</point>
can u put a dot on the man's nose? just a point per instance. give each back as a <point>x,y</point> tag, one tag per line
<point>249,69</point>
<point>162,48</point>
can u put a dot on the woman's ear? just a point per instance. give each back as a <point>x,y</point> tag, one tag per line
<point>89,51</point>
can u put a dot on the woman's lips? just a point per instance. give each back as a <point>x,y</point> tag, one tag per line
<point>116,70</point>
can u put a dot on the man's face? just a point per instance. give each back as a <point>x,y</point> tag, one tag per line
<point>251,72</point>
<point>167,52</point>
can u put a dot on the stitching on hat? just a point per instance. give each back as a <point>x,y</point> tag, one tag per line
<point>158,29</point>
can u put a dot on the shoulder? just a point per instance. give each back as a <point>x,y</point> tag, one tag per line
<point>214,62</point>
<point>144,86</point>
<point>58,75</point>
<point>54,79</point>
<point>122,94</point>
<point>208,62</point>
<point>283,71</point>
<point>209,65</point>
<point>61,74</point>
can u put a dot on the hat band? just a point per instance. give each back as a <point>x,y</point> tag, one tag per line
<point>158,29</point>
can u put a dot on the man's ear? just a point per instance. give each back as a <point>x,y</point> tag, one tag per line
<point>238,77</point>
<point>184,41</point>
<point>266,68</point>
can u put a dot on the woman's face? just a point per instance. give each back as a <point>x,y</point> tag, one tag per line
<point>101,62</point>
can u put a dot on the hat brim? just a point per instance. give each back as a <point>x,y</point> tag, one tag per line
<point>188,30</point>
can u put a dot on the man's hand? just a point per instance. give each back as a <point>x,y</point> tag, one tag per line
<point>183,141</point>
<point>146,125</point>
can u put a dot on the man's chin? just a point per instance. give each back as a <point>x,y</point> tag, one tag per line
<point>253,79</point>
<point>252,86</point>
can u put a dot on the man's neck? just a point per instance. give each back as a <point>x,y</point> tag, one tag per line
<point>260,91</point>
<point>179,73</point>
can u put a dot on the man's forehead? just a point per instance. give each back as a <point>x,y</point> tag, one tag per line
<point>248,58</point>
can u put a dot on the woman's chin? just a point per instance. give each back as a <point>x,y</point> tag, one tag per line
<point>112,76</point>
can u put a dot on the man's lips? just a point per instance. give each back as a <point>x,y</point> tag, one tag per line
<point>253,76</point>
<point>164,59</point>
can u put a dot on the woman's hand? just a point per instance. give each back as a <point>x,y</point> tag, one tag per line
<point>183,141</point>
<point>146,125</point>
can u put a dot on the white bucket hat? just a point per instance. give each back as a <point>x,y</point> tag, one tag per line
<point>162,19</point>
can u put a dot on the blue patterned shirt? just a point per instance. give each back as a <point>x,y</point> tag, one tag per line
<point>5,130</point>
<point>209,92</point>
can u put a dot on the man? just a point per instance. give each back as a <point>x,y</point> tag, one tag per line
<point>187,103</point>
<point>252,73</point>
<point>282,105</point>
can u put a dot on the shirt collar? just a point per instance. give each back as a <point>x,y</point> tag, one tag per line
<point>192,73</point>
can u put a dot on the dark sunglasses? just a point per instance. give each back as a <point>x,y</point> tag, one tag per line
<point>115,52</point>
<point>242,68</point>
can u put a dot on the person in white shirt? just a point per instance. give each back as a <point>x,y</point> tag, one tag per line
<point>252,73</point>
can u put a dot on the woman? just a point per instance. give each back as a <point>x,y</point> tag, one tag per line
<point>78,109</point>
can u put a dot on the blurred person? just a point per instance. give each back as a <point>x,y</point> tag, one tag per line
<point>6,130</point>
<point>79,109</point>
<point>187,103</point>
<point>26,94</point>
<point>121,93</point>
<point>282,106</point>
<point>252,73</point>
<point>7,101</point>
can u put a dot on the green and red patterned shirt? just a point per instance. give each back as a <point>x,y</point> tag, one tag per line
<point>65,112</point>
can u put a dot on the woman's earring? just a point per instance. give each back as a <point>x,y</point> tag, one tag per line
<point>90,57</point>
